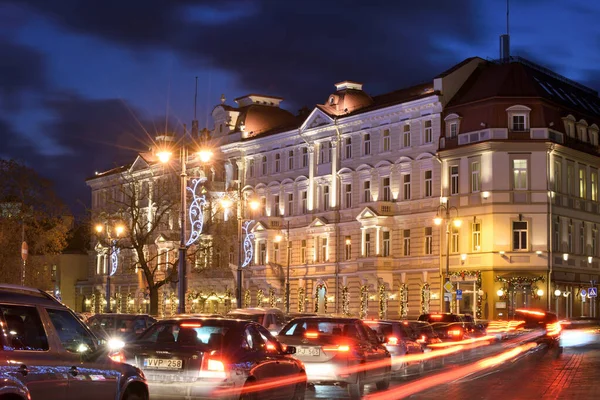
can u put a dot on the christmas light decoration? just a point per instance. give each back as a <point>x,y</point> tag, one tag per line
<point>345,301</point>
<point>260,297</point>
<point>382,302</point>
<point>403,300</point>
<point>364,301</point>
<point>248,244</point>
<point>425,298</point>
<point>114,258</point>
<point>301,299</point>
<point>271,297</point>
<point>247,298</point>
<point>195,212</point>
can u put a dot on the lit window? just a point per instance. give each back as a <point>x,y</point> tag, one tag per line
<point>348,247</point>
<point>582,183</point>
<point>476,236</point>
<point>594,186</point>
<point>428,240</point>
<point>275,252</point>
<point>519,235</point>
<point>520,174</point>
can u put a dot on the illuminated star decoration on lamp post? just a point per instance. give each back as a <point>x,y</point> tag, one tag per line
<point>248,247</point>
<point>195,212</point>
<point>114,258</point>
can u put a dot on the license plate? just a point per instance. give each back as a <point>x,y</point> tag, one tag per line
<point>308,351</point>
<point>161,363</point>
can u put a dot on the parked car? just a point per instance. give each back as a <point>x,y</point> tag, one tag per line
<point>185,358</point>
<point>57,356</point>
<point>424,333</point>
<point>448,326</point>
<point>339,351</point>
<point>121,327</point>
<point>271,318</point>
<point>400,340</point>
<point>292,315</point>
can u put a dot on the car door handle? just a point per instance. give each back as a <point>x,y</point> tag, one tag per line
<point>23,370</point>
<point>73,371</point>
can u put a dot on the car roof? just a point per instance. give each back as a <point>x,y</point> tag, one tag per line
<point>221,321</point>
<point>255,310</point>
<point>121,315</point>
<point>27,295</point>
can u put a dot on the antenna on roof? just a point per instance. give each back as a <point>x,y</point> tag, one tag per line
<point>195,121</point>
<point>505,39</point>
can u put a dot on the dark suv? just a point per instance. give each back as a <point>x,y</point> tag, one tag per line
<point>119,326</point>
<point>46,352</point>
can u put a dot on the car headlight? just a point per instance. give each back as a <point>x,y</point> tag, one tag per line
<point>115,344</point>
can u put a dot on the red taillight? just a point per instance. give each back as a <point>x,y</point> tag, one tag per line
<point>312,335</point>
<point>392,340</point>
<point>271,347</point>
<point>190,325</point>
<point>117,357</point>
<point>553,329</point>
<point>341,348</point>
<point>454,332</point>
<point>212,368</point>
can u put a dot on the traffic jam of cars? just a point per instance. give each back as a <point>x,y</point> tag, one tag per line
<point>49,352</point>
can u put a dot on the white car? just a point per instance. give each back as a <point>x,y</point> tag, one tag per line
<point>271,318</point>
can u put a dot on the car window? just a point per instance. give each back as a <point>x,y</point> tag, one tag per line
<point>269,342</point>
<point>72,334</point>
<point>186,334</point>
<point>247,317</point>
<point>279,318</point>
<point>371,336</point>
<point>299,327</point>
<point>23,329</point>
<point>252,340</point>
<point>139,325</point>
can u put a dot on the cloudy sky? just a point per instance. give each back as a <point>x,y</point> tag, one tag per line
<point>84,83</point>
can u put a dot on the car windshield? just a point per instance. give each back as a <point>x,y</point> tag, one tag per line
<point>300,327</point>
<point>248,317</point>
<point>431,318</point>
<point>186,334</point>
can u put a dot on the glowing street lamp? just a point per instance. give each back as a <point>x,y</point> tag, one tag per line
<point>164,156</point>
<point>114,255</point>
<point>254,205</point>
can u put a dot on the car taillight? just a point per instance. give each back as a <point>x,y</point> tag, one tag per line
<point>422,339</point>
<point>117,357</point>
<point>392,340</point>
<point>454,332</point>
<point>271,347</point>
<point>312,335</point>
<point>212,368</point>
<point>341,348</point>
<point>553,329</point>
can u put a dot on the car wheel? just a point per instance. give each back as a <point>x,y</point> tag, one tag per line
<point>134,393</point>
<point>248,394</point>
<point>300,391</point>
<point>385,383</point>
<point>355,390</point>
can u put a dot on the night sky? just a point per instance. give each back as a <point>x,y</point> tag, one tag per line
<point>84,84</point>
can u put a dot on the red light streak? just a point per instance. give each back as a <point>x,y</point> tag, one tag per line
<point>312,335</point>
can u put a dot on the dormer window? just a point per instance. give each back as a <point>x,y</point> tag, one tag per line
<point>518,118</point>
<point>331,101</point>
<point>452,125</point>
<point>453,129</point>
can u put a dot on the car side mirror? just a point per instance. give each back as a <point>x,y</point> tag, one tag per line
<point>290,350</point>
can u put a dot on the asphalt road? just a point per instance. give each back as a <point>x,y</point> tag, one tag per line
<point>538,374</point>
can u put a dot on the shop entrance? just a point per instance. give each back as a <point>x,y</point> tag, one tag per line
<point>468,303</point>
<point>519,296</point>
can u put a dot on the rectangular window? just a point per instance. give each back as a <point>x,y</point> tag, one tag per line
<point>325,198</point>
<point>276,206</point>
<point>556,237</point>
<point>304,157</point>
<point>453,129</point>
<point>303,252</point>
<point>387,190</point>
<point>476,236</point>
<point>366,144</point>
<point>290,204</point>
<point>329,147</point>
<point>582,183</point>
<point>594,186</point>
<point>324,249</point>
<point>262,253</point>
<point>276,252</point>
<point>263,206</point>
<point>406,242</point>
<point>367,191</point>
<point>367,245</point>
<point>454,245</point>
<point>582,238</point>
<point>406,136</point>
<point>264,165</point>
<point>428,240</point>
<point>428,133</point>
<point>570,179</point>
<point>557,176</point>
<point>277,162</point>
<point>518,123</point>
<point>519,229</point>
<point>304,200</point>
<point>386,140</point>
<point>348,195</point>
<point>570,237</point>
<point>520,174</point>
<point>251,169</point>
<point>475,176</point>
<point>406,186</point>
<point>348,248</point>
<point>291,160</point>
<point>386,243</point>
<point>321,153</point>
<point>348,148</point>
<point>428,183</point>
<point>453,179</point>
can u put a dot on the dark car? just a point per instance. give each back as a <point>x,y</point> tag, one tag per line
<point>292,315</point>
<point>339,351</point>
<point>47,353</point>
<point>121,327</point>
<point>185,358</point>
<point>543,322</point>
<point>448,326</point>
<point>400,340</point>
<point>424,333</point>
<point>473,327</point>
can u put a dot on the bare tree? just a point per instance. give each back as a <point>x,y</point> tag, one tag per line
<point>30,210</point>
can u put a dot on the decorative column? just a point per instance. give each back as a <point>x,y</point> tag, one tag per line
<point>334,195</point>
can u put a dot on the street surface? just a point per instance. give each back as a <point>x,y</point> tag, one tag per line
<point>536,375</point>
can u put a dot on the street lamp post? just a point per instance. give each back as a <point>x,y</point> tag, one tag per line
<point>114,257</point>
<point>287,280</point>
<point>245,253</point>
<point>164,156</point>
<point>457,223</point>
